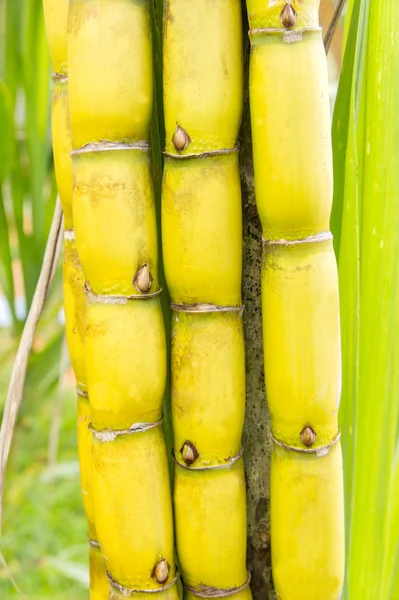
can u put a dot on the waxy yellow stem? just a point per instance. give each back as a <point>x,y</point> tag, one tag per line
<point>56,16</point>
<point>202,249</point>
<point>293,184</point>
<point>110,59</point>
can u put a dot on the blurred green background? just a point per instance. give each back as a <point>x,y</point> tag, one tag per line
<point>44,531</point>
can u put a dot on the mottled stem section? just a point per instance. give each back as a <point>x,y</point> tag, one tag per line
<point>256,441</point>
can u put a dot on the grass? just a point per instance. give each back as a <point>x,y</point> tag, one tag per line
<point>44,537</point>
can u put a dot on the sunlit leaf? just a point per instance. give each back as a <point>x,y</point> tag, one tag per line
<point>7,132</point>
<point>6,155</point>
<point>366,224</point>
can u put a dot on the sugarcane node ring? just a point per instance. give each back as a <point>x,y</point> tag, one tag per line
<point>180,139</point>
<point>320,451</point>
<point>323,236</point>
<point>207,154</point>
<point>105,146</point>
<point>127,592</point>
<point>81,392</point>
<point>204,591</point>
<point>288,16</point>
<point>69,235</point>
<point>189,453</point>
<point>103,299</point>
<point>161,571</point>
<point>109,435</point>
<point>203,307</point>
<point>308,436</point>
<point>226,465</point>
<point>289,36</point>
<point>61,77</point>
<point>143,279</point>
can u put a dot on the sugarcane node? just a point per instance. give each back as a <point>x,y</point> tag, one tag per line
<point>308,436</point>
<point>143,279</point>
<point>161,571</point>
<point>288,16</point>
<point>189,453</point>
<point>180,139</point>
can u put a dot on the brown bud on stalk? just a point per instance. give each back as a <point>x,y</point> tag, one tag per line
<point>308,436</point>
<point>143,279</point>
<point>161,571</point>
<point>288,16</point>
<point>180,139</point>
<point>189,453</point>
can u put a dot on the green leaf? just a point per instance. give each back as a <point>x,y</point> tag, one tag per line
<point>6,155</point>
<point>12,31</point>
<point>6,274</point>
<point>26,68</point>
<point>365,223</point>
<point>7,132</point>
<point>36,71</point>
<point>157,143</point>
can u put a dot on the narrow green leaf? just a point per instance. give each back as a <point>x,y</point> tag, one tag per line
<point>366,222</point>
<point>7,132</point>
<point>6,275</point>
<point>157,144</point>
<point>340,125</point>
<point>6,155</point>
<point>36,70</point>
<point>13,12</point>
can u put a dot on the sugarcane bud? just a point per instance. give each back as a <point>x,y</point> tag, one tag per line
<point>308,436</point>
<point>180,139</point>
<point>143,279</point>
<point>161,571</point>
<point>189,453</point>
<point>288,16</point>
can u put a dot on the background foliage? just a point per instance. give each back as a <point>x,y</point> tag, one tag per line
<point>44,532</point>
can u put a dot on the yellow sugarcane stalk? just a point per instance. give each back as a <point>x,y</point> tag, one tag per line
<point>202,250</point>
<point>293,185</point>
<point>111,95</point>
<point>56,17</point>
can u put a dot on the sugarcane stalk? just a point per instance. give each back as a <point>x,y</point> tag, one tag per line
<point>202,251</point>
<point>111,96</point>
<point>56,18</point>
<point>292,154</point>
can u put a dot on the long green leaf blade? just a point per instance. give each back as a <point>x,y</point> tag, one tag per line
<point>366,224</point>
<point>6,155</point>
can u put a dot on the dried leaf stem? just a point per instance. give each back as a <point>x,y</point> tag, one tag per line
<point>18,376</point>
<point>333,25</point>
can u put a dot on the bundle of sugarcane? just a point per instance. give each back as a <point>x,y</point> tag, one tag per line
<point>56,16</point>
<point>201,227</point>
<point>293,184</point>
<point>111,90</point>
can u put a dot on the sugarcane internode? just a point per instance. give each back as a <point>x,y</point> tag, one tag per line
<point>291,128</point>
<point>202,250</point>
<point>56,16</point>
<point>111,95</point>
